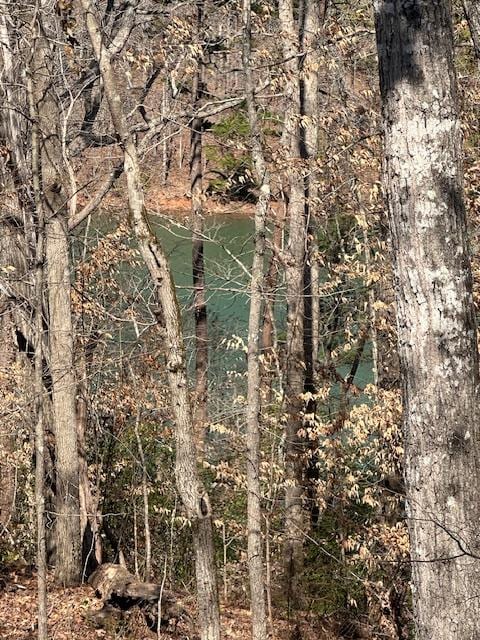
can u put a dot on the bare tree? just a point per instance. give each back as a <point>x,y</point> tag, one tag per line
<point>191,490</point>
<point>68,557</point>
<point>295,255</point>
<point>198,259</point>
<point>39,386</point>
<point>254,515</point>
<point>435,311</point>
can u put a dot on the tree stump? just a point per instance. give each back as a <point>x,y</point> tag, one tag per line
<point>121,591</point>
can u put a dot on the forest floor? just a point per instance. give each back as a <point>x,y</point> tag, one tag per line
<point>69,613</point>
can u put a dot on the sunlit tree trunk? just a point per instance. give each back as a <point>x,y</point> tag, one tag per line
<point>309,104</point>
<point>60,328</point>
<point>190,487</point>
<point>294,273</point>
<point>435,312</point>
<point>254,506</point>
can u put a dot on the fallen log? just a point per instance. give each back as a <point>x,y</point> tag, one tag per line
<point>121,591</point>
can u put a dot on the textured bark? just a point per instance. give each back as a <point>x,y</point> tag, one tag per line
<point>190,488</point>
<point>311,19</point>
<point>254,491</point>
<point>436,323</point>
<point>60,329</point>
<point>472,13</point>
<point>68,551</point>
<point>198,261</point>
<point>41,559</point>
<point>294,274</point>
<point>14,133</point>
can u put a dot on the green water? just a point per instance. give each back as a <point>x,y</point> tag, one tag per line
<point>228,256</point>
<point>228,250</point>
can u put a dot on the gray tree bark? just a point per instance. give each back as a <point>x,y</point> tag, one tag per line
<point>198,259</point>
<point>435,312</point>
<point>294,271</point>
<point>254,506</point>
<point>190,487</point>
<point>68,558</point>
<point>472,13</point>
<point>38,386</point>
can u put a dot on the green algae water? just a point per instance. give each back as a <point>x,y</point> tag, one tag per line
<point>228,251</point>
<point>228,248</point>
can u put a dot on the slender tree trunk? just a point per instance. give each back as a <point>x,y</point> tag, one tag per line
<point>436,316</point>
<point>311,17</point>
<point>38,386</point>
<point>472,13</point>
<point>190,487</point>
<point>198,262</point>
<point>294,277</point>
<point>309,85</point>
<point>254,506</point>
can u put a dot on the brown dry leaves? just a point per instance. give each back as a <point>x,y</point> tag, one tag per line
<point>68,617</point>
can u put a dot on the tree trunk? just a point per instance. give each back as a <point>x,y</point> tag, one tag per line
<point>472,13</point>
<point>60,329</point>
<point>435,312</point>
<point>68,549</point>
<point>294,277</point>
<point>190,487</point>
<point>198,262</point>
<point>254,507</point>
<point>38,386</point>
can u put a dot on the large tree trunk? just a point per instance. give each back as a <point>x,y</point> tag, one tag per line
<point>68,559</point>
<point>190,487</point>
<point>254,507</point>
<point>436,322</point>
<point>60,329</point>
